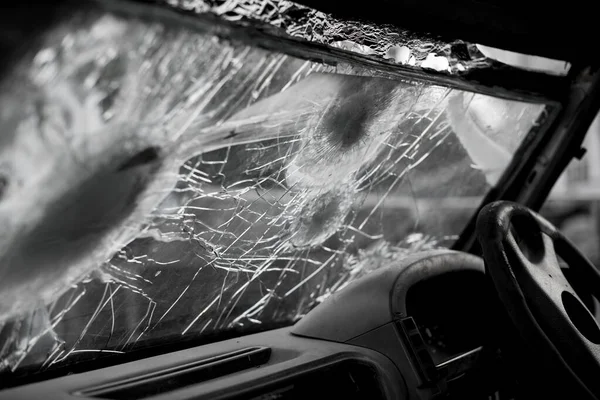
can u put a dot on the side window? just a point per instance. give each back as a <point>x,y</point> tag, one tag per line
<point>574,207</point>
<point>574,203</point>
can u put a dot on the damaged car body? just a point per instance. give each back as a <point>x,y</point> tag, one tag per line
<point>176,174</point>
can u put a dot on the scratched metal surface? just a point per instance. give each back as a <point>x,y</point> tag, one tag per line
<point>161,184</point>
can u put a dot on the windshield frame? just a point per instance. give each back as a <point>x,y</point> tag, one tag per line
<point>571,102</point>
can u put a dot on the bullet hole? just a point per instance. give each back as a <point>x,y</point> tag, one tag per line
<point>321,217</point>
<point>348,120</point>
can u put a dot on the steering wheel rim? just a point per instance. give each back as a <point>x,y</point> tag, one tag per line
<point>520,251</point>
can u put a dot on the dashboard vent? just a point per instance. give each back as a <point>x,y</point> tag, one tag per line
<point>154,383</point>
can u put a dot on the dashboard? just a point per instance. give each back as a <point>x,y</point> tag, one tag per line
<point>294,368</point>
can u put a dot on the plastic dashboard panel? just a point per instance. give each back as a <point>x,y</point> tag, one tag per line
<point>385,324</point>
<point>290,356</point>
<point>367,323</point>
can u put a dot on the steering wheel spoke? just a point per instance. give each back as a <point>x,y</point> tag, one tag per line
<point>535,251</point>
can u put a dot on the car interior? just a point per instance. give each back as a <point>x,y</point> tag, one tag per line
<point>267,199</point>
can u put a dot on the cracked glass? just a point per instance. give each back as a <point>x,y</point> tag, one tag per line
<point>160,184</point>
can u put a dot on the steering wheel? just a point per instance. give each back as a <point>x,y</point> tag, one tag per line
<point>521,252</point>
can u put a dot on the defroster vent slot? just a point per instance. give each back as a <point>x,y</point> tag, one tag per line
<point>177,377</point>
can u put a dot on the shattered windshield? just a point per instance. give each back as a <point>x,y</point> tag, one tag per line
<point>160,184</point>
